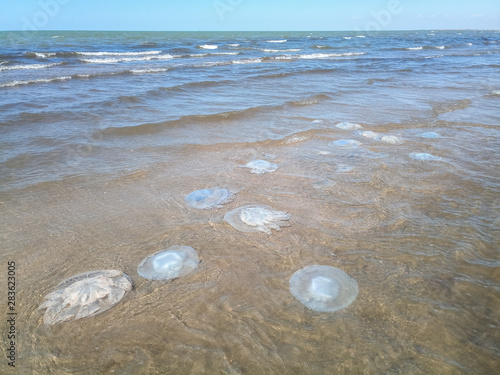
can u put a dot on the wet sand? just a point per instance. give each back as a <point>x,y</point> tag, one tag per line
<point>419,237</point>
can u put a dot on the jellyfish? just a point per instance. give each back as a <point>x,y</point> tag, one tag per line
<point>424,156</point>
<point>174,262</point>
<point>260,166</point>
<point>368,134</point>
<point>344,168</point>
<point>429,135</point>
<point>323,288</point>
<point>392,139</point>
<point>85,294</point>
<point>348,126</point>
<point>256,218</point>
<point>208,198</point>
<point>345,143</point>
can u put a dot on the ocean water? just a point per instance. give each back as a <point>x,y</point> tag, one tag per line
<point>103,134</point>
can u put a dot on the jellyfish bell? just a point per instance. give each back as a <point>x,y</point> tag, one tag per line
<point>391,139</point>
<point>174,262</point>
<point>85,294</point>
<point>208,198</point>
<point>323,288</point>
<point>348,126</point>
<point>260,166</point>
<point>430,135</point>
<point>345,143</point>
<point>257,218</point>
<point>368,134</point>
<point>424,156</point>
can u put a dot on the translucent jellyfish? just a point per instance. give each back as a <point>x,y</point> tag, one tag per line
<point>323,288</point>
<point>429,135</point>
<point>348,126</point>
<point>208,198</point>
<point>260,166</point>
<point>343,168</point>
<point>424,156</point>
<point>174,262</point>
<point>85,294</point>
<point>392,139</point>
<point>345,143</point>
<point>256,218</point>
<point>368,134</point>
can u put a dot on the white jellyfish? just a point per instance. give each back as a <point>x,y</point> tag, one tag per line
<point>368,134</point>
<point>424,156</point>
<point>391,139</point>
<point>260,166</point>
<point>256,218</point>
<point>345,143</point>
<point>429,135</point>
<point>323,288</point>
<point>348,126</point>
<point>342,168</point>
<point>208,198</point>
<point>85,294</point>
<point>174,262</point>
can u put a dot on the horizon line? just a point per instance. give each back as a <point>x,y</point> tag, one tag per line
<point>265,31</point>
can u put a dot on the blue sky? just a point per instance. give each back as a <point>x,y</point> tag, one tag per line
<point>268,15</point>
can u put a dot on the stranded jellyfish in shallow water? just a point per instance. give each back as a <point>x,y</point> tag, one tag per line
<point>255,218</point>
<point>348,126</point>
<point>208,198</point>
<point>174,262</point>
<point>323,288</point>
<point>424,156</point>
<point>345,143</point>
<point>429,135</point>
<point>85,294</point>
<point>260,166</point>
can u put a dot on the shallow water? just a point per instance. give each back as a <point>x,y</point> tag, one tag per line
<point>95,169</point>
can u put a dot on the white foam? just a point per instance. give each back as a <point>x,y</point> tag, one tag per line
<point>126,59</point>
<point>414,48</point>
<point>440,47</point>
<point>208,46</point>
<point>322,55</point>
<point>146,71</point>
<point>281,50</point>
<point>105,53</point>
<point>495,92</point>
<point>233,45</point>
<point>210,54</point>
<point>41,80</point>
<point>28,66</point>
<point>360,36</point>
<point>347,37</point>
<point>44,55</point>
<point>276,41</point>
<point>247,61</point>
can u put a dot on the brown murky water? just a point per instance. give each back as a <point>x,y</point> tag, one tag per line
<point>420,237</point>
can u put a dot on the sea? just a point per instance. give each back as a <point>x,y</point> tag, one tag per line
<point>388,152</point>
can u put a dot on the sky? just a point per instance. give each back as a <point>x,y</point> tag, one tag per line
<point>249,15</point>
